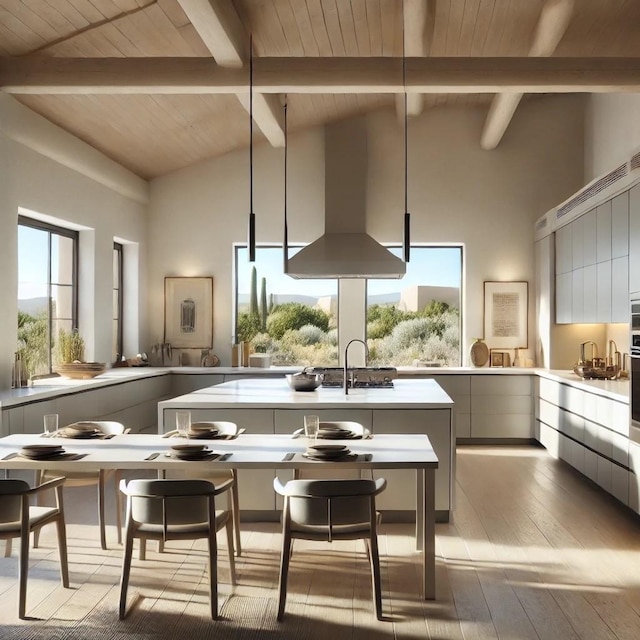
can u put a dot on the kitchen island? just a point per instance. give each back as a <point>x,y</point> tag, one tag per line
<point>270,406</point>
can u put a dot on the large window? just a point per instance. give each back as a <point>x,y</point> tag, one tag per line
<point>47,290</point>
<point>417,320</point>
<point>293,320</point>
<point>116,348</point>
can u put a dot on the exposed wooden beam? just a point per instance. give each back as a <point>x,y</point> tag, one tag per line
<point>418,23</point>
<point>552,25</point>
<point>222,31</point>
<point>220,28</point>
<point>39,75</point>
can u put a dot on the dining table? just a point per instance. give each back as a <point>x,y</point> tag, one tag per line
<point>248,451</point>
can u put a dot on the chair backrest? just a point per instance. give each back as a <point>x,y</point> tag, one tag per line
<point>108,427</point>
<point>354,427</point>
<point>11,492</point>
<point>224,428</point>
<point>169,502</point>
<point>332,503</point>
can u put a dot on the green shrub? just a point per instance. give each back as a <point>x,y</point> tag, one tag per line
<point>248,326</point>
<point>293,315</point>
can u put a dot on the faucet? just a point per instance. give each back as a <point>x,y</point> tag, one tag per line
<point>345,382</point>
<point>614,357</point>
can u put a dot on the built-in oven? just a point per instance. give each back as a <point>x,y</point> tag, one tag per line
<point>634,372</point>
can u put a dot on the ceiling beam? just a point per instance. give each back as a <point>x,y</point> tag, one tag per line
<point>222,31</point>
<point>552,25</point>
<point>40,75</point>
<point>418,23</point>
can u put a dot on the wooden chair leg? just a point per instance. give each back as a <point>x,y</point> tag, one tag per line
<point>232,563</point>
<point>142,555</point>
<point>126,571</point>
<point>39,502</point>
<point>61,529</point>
<point>375,575</point>
<point>7,548</point>
<point>235,512</point>
<point>213,572</point>
<point>284,572</point>
<point>116,480</point>
<point>23,568</point>
<point>101,522</point>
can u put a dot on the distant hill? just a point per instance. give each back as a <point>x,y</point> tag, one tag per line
<point>32,306</point>
<point>243,299</point>
<point>384,298</point>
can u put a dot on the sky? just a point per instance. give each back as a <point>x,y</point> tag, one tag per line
<point>436,266</point>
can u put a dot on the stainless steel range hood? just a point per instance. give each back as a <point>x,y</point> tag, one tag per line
<point>345,250</point>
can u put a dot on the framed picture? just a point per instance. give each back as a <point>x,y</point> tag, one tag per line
<point>188,312</point>
<point>505,314</point>
<point>496,359</point>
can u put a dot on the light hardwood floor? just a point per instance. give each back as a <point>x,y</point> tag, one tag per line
<point>535,551</point>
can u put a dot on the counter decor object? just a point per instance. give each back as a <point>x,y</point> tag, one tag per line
<point>596,368</point>
<point>71,358</point>
<point>479,353</point>
<point>260,360</point>
<point>304,381</point>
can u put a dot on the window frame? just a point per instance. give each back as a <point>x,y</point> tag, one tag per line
<point>118,248</point>
<point>74,236</point>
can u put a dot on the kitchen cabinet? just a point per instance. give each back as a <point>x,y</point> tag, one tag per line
<point>588,431</point>
<point>501,407</point>
<point>592,264</point>
<point>634,239</point>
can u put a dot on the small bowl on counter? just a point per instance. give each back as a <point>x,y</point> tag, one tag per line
<point>304,381</point>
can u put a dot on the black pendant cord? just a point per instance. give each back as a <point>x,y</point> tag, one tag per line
<point>286,229</point>
<point>252,216</point>
<point>406,236</point>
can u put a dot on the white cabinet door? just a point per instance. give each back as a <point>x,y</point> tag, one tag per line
<point>620,226</point>
<point>564,301</point>
<point>603,292</point>
<point>577,295</point>
<point>620,289</point>
<point>577,243</point>
<point>564,260</point>
<point>634,239</point>
<point>604,232</point>
<point>590,286</point>
<point>590,238</point>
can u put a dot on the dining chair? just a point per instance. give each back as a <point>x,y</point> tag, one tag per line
<point>175,510</point>
<point>99,478</point>
<point>229,429</point>
<point>328,510</point>
<point>336,473</point>
<point>18,519</point>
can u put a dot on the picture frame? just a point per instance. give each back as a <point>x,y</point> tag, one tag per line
<point>496,358</point>
<point>188,312</point>
<point>506,311</point>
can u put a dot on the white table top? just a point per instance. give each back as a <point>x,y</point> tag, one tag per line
<point>129,451</point>
<point>261,393</point>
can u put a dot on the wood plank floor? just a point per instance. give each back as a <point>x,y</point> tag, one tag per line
<point>535,551</point>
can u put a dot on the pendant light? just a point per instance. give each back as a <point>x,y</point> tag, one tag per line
<point>285,242</point>
<point>251,240</point>
<point>406,236</point>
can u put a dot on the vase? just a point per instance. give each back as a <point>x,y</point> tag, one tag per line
<point>479,353</point>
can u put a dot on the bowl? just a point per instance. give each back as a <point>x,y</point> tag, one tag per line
<point>304,381</point>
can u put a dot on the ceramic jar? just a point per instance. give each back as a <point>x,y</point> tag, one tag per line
<point>479,353</point>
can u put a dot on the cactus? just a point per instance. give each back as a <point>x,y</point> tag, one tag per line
<point>263,304</point>
<point>253,296</point>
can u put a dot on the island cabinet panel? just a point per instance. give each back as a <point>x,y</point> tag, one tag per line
<point>501,407</point>
<point>400,493</point>
<point>590,432</point>
<point>288,420</point>
<point>182,383</point>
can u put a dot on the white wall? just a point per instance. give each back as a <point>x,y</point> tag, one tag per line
<point>46,171</point>
<point>488,200</point>
<point>612,131</point>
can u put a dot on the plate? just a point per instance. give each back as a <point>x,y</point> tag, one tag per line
<point>42,447</point>
<point>68,432</point>
<point>204,426</point>
<point>327,447</point>
<point>192,455</point>
<point>41,454</point>
<point>346,455</point>
<point>188,447</point>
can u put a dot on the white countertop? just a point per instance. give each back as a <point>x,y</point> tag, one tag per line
<point>614,389</point>
<point>255,393</point>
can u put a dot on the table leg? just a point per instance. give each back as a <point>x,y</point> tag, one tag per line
<point>429,534</point>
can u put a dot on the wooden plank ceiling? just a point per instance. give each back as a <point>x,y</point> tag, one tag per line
<point>155,134</point>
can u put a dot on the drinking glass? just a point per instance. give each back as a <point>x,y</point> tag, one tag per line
<point>183,422</point>
<point>311,426</point>
<point>50,423</point>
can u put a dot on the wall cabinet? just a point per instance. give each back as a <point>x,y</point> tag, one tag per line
<point>634,239</point>
<point>592,264</point>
